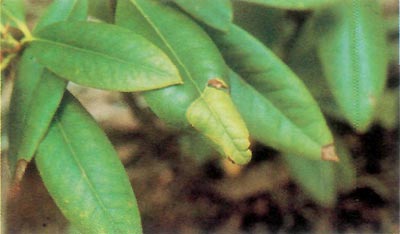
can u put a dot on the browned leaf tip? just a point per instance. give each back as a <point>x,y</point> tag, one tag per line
<point>20,170</point>
<point>328,153</point>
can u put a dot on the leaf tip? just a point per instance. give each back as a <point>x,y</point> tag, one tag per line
<point>328,153</point>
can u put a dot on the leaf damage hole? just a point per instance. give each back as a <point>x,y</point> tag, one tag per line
<point>217,83</point>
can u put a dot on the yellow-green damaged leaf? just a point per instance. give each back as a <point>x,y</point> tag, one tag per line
<point>215,116</point>
<point>83,174</point>
<point>352,49</point>
<point>103,56</point>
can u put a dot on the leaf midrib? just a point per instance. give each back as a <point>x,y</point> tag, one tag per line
<point>126,62</point>
<point>83,172</point>
<point>183,66</point>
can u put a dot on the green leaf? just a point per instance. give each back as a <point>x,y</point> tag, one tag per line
<point>215,115</point>
<point>352,50</point>
<point>102,10</point>
<point>36,95</point>
<point>294,4</point>
<point>199,63</point>
<point>217,14</point>
<point>345,171</point>
<point>83,174</point>
<point>197,58</point>
<point>297,120</point>
<point>12,12</point>
<point>317,178</point>
<point>63,10</point>
<point>103,56</point>
<point>388,109</point>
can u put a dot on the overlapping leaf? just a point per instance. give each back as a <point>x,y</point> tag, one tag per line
<point>199,63</point>
<point>275,104</point>
<point>63,10</point>
<point>294,4</point>
<point>217,14</point>
<point>12,12</point>
<point>352,49</point>
<point>83,174</point>
<point>103,56</point>
<point>102,10</point>
<point>36,95</point>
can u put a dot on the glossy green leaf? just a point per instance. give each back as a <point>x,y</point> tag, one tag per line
<point>36,95</point>
<point>103,56</point>
<point>217,14</point>
<point>12,12</point>
<point>294,4</point>
<point>63,10</point>
<point>317,178</point>
<point>83,174</point>
<point>304,61</point>
<point>101,9</point>
<point>269,124</point>
<point>199,63</point>
<point>352,49</point>
<point>188,46</point>
<point>298,122</point>
<point>215,115</point>
<point>197,146</point>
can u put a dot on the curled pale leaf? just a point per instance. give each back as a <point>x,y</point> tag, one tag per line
<point>215,116</point>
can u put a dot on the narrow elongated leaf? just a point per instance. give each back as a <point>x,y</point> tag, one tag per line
<point>12,12</point>
<point>199,63</point>
<point>276,83</point>
<point>316,177</point>
<point>294,4</point>
<point>269,124</point>
<point>217,14</point>
<point>37,94</point>
<point>35,98</point>
<point>229,133</point>
<point>352,50</point>
<point>197,58</point>
<point>63,10</point>
<point>345,171</point>
<point>103,56</point>
<point>83,174</point>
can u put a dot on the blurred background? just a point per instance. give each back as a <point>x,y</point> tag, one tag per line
<point>183,186</point>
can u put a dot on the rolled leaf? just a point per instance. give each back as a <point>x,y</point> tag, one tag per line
<point>199,63</point>
<point>83,174</point>
<point>270,80</point>
<point>352,49</point>
<point>36,95</point>
<point>294,4</point>
<point>103,56</point>
<point>215,115</point>
<point>217,14</point>
<point>63,10</point>
<point>12,12</point>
